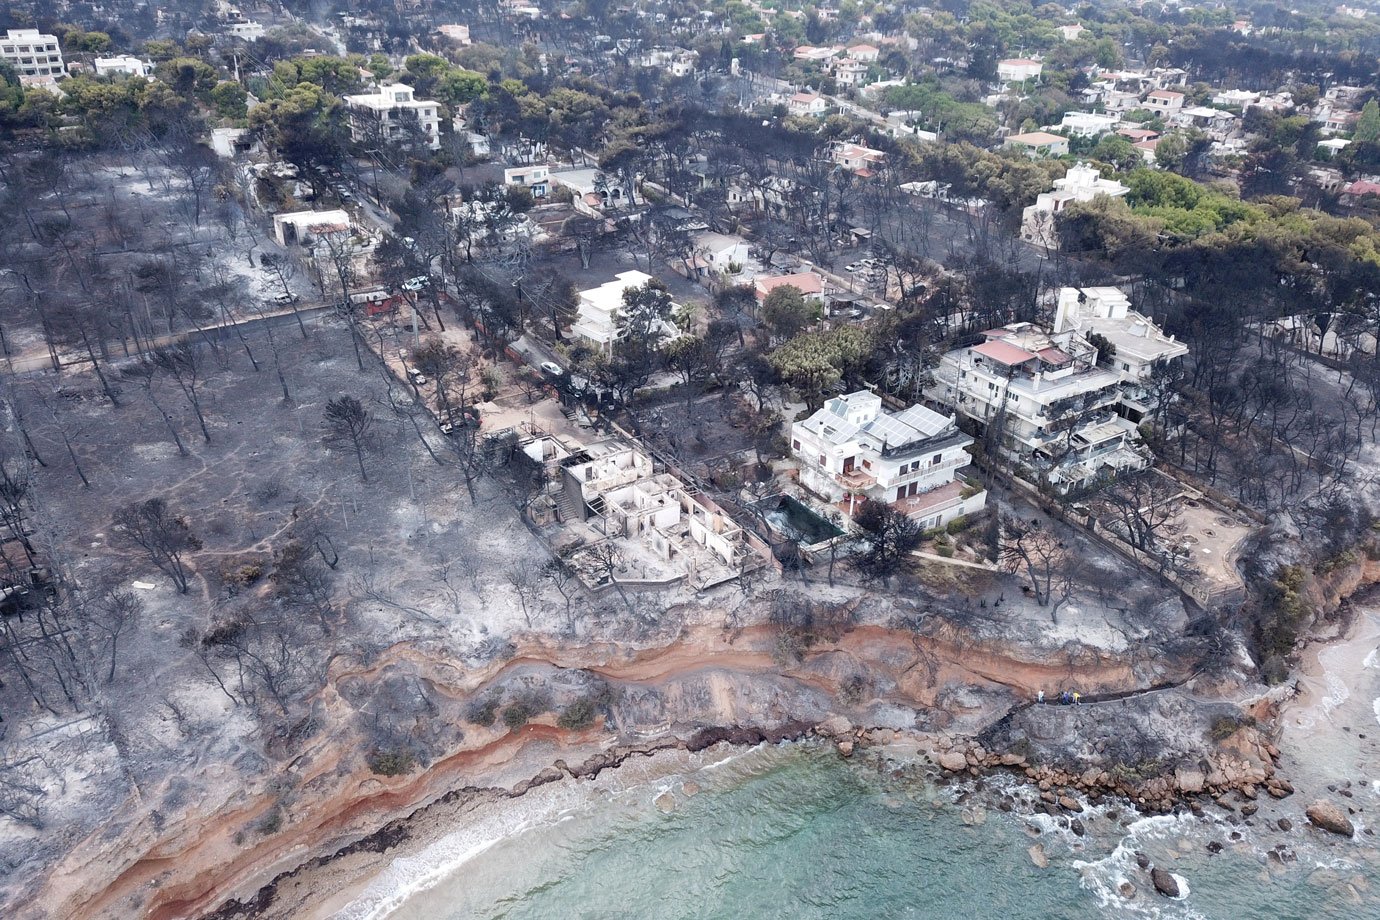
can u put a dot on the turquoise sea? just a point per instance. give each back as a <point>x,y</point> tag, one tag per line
<point>797,832</point>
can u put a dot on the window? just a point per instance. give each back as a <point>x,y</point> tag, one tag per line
<point>823,460</point>
<point>795,444</point>
<point>937,459</point>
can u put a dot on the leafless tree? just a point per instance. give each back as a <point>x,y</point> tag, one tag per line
<point>183,364</point>
<point>563,578</point>
<point>115,611</point>
<point>348,424</point>
<point>163,536</point>
<point>1031,548</point>
<point>302,580</point>
<point>525,579</point>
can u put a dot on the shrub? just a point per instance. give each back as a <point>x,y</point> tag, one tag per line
<point>516,715</point>
<point>270,823</point>
<point>959,524</point>
<point>483,712</point>
<point>392,763</point>
<point>1223,727</point>
<point>946,551</point>
<point>577,715</point>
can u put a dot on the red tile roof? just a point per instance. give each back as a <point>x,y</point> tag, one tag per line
<point>1003,352</point>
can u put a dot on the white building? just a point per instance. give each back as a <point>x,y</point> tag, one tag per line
<point>1235,98</point>
<point>851,73</point>
<point>1015,70</point>
<point>1164,101</point>
<point>1081,183</point>
<point>866,53</point>
<point>807,104</point>
<point>301,226</point>
<point>1039,144</point>
<point>1088,124</point>
<point>248,30</point>
<point>460,34</point>
<point>33,54</point>
<point>858,159</point>
<point>853,450</point>
<point>596,318</point>
<point>1071,32</point>
<point>1042,401</point>
<point>123,64</point>
<point>536,179</point>
<point>1138,346</point>
<point>385,113</point>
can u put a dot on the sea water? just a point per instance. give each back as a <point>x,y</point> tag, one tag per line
<point>795,831</point>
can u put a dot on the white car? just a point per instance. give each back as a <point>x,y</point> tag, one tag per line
<point>416,284</point>
<point>552,368</point>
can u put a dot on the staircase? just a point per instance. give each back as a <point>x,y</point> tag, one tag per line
<point>596,504</point>
<point>568,506</point>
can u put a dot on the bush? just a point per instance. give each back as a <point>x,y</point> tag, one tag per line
<point>946,551</point>
<point>577,715</point>
<point>516,715</point>
<point>392,763</point>
<point>959,524</point>
<point>1223,727</point>
<point>483,712</point>
<point>269,824</point>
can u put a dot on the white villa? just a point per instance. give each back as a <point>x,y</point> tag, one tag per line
<point>386,111</point>
<point>122,64</point>
<point>596,320</point>
<point>1081,183</point>
<point>854,450</point>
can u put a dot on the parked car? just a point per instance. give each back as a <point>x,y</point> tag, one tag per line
<point>416,284</point>
<point>284,299</point>
<point>552,368</point>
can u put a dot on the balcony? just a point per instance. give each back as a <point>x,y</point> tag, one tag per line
<point>855,479</point>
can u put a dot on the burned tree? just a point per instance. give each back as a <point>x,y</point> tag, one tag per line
<point>348,424</point>
<point>885,540</point>
<point>163,537</point>
<point>1031,548</point>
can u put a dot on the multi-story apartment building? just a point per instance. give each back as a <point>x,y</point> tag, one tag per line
<point>853,450</point>
<point>33,54</point>
<point>1041,399</point>
<point>1134,345</point>
<point>385,112</point>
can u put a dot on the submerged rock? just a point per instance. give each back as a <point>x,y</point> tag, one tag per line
<point>1330,818</point>
<point>1126,889</point>
<point>1038,857</point>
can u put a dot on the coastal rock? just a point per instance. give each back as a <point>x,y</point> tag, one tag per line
<point>690,787</point>
<point>1070,803</point>
<point>1250,809</point>
<point>1330,818</point>
<point>834,727</point>
<point>1038,857</point>
<point>953,761</point>
<point>1164,882</point>
<point>1142,860</point>
<point>1285,824</point>
<point>1126,890</point>
<point>846,748</point>
<point>665,802</point>
<point>1190,781</point>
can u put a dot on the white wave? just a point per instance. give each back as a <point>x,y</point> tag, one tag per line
<point>1182,883</point>
<point>1375,707</point>
<point>1337,694</point>
<point>1373,659</point>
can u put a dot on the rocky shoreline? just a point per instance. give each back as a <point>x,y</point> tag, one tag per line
<point>1233,783</point>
